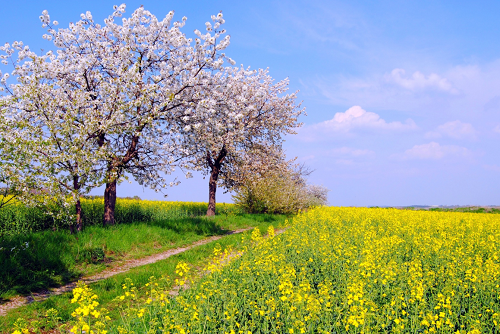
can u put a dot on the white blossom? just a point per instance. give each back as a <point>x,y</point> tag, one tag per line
<point>103,105</point>
<point>240,115</point>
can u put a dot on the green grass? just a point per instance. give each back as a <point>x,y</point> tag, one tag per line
<point>17,218</point>
<point>44,259</point>
<point>110,288</point>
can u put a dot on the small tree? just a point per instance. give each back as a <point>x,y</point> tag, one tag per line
<point>239,115</point>
<point>279,190</point>
<point>315,195</point>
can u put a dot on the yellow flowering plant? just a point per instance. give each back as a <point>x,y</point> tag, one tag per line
<point>88,317</point>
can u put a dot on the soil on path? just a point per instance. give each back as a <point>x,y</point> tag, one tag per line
<point>19,301</point>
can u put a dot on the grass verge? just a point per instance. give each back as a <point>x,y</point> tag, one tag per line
<point>45,259</point>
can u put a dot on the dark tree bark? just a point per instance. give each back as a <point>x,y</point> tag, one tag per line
<point>117,165</point>
<point>109,203</point>
<point>215,166</point>
<point>79,223</point>
<point>78,208</point>
<point>212,189</point>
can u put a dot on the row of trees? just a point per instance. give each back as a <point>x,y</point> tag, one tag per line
<point>134,97</point>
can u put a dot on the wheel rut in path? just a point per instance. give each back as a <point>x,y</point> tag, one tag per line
<point>19,301</point>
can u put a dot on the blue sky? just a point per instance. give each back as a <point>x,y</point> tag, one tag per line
<point>402,97</point>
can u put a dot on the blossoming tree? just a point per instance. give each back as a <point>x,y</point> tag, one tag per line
<point>47,150</point>
<point>102,104</point>
<point>239,117</point>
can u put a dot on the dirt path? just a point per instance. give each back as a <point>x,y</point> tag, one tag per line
<point>40,296</point>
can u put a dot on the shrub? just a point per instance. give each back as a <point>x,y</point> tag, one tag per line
<point>279,191</point>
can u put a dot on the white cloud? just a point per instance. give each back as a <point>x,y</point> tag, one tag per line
<point>476,86</point>
<point>419,81</point>
<point>358,118</point>
<point>454,129</point>
<point>433,151</point>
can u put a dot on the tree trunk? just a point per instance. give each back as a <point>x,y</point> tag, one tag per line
<point>212,189</point>
<point>115,168</point>
<point>109,203</point>
<point>215,166</point>
<point>78,207</point>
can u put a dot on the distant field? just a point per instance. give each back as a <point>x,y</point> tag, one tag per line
<point>473,209</point>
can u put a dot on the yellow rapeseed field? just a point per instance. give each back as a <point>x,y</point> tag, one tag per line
<point>335,270</point>
<point>128,209</point>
